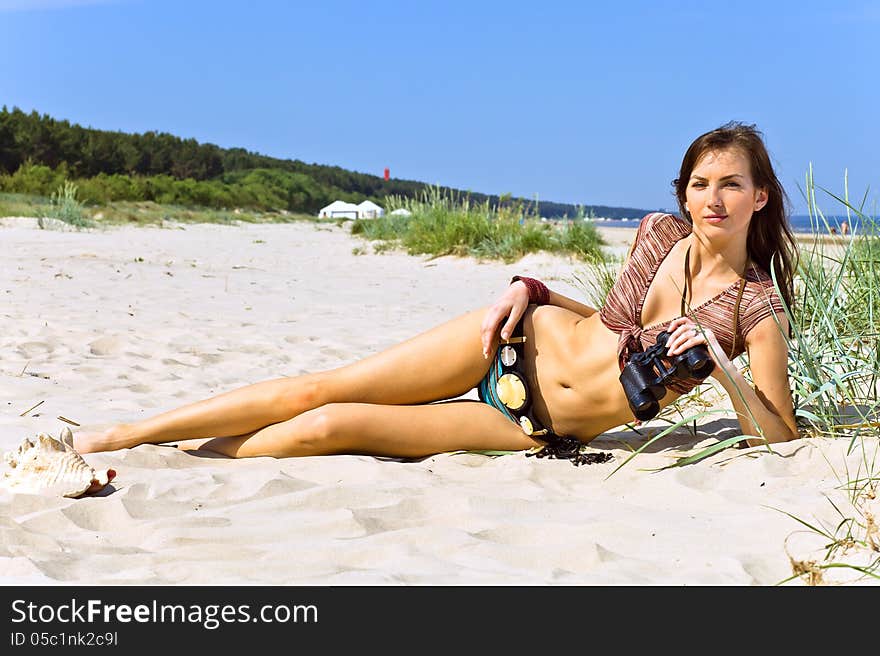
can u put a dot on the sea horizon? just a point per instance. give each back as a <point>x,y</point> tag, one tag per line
<point>800,223</point>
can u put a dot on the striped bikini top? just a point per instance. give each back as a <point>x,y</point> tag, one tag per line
<point>622,311</point>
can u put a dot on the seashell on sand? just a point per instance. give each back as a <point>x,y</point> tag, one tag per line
<point>45,465</point>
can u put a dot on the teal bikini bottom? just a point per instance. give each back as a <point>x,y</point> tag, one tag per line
<point>505,386</point>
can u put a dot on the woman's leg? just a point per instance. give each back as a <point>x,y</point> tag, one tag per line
<point>403,431</point>
<point>441,363</point>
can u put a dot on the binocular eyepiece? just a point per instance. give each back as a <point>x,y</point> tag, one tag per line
<point>645,376</point>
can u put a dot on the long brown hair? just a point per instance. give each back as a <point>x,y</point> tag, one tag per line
<point>770,242</point>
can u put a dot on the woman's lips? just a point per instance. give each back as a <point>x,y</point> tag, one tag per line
<point>715,218</point>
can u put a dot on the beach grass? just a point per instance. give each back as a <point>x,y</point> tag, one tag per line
<point>441,223</point>
<point>65,206</point>
<point>596,277</point>
<point>135,213</point>
<point>834,367</point>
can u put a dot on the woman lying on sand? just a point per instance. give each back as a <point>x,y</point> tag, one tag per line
<point>554,372</point>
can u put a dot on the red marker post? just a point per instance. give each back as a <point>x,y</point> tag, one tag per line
<point>387,173</point>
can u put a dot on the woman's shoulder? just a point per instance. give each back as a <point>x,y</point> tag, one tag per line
<point>758,280</point>
<point>662,227</point>
<point>664,218</point>
<point>760,298</point>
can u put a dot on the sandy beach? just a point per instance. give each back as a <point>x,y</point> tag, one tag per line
<point>116,324</point>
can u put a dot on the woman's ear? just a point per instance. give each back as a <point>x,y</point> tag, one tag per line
<point>761,198</point>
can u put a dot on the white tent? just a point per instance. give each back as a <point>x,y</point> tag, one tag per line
<point>369,210</point>
<point>339,208</point>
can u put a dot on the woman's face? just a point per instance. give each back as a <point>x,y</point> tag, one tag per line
<point>721,196</point>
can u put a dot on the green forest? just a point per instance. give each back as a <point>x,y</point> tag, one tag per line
<point>39,153</point>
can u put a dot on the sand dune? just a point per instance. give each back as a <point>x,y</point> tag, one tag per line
<point>117,324</point>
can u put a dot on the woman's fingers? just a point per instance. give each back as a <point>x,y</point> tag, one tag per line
<point>691,337</point>
<point>678,323</point>
<point>511,305</point>
<point>684,334</point>
<point>683,342</point>
<point>486,330</point>
<point>493,319</point>
<point>489,327</point>
<point>512,319</point>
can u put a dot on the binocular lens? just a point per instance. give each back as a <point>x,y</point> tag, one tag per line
<point>644,406</point>
<point>699,363</point>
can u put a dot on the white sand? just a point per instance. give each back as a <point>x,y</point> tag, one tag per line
<point>118,324</point>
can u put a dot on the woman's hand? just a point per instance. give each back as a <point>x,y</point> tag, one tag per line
<point>512,304</point>
<point>684,333</point>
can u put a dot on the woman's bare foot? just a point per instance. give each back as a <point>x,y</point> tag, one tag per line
<point>109,439</point>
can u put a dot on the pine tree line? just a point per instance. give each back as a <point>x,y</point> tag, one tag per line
<point>38,152</point>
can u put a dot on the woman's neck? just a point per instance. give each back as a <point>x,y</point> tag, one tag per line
<point>720,260</point>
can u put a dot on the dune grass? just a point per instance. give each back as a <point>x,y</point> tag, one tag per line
<point>444,223</point>
<point>64,205</point>
<point>835,372</point>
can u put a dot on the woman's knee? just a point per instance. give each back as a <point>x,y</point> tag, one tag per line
<point>302,393</point>
<point>320,430</point>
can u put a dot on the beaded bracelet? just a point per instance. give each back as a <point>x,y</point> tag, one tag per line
<point>538,292</point>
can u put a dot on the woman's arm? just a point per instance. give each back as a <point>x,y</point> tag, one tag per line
<point>765,409</point>
<point>770,400</point>
<point>513,303</point>
<point>570,304</point>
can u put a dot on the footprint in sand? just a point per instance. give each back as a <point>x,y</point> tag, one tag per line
<point>106,346</point>
<point>697,478</point>
<point>86,370</point>
<point>337,353</point>
<point>104,517</point>
<point>34,349</point>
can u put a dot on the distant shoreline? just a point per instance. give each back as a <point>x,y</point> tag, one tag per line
<point>619,238</point>
<point>799,224</point>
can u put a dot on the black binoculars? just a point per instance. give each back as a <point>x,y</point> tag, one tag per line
<point>645,376</point>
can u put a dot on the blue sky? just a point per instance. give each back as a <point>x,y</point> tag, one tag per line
<point>575,102</point>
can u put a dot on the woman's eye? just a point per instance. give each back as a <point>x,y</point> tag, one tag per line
<point>733,184</point>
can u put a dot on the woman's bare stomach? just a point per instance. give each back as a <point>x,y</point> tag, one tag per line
<point>572,367</point>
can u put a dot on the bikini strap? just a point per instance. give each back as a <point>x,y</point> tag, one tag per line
<point>739,295</point>
<point>687,279</point>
